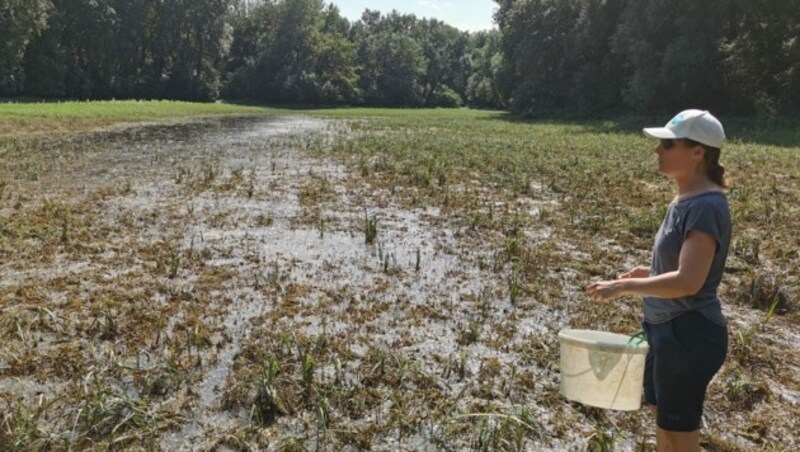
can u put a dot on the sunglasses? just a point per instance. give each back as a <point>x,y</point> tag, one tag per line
<point>668,144</point>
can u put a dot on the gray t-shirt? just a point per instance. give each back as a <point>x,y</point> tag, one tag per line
<point>707,212</point>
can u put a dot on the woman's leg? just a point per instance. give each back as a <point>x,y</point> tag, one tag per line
<point>689,350</point>
<point>668,441</point>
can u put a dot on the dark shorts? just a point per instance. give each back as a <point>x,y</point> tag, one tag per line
<point>684,355</point>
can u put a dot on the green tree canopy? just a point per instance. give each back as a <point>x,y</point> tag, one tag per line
<point>20,21</point>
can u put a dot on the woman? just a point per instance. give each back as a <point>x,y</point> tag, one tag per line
<point>683,319</point>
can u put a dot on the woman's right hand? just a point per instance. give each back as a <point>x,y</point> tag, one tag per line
<point>636,272</point>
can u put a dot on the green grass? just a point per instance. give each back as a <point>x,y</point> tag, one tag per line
<point>18,119</point>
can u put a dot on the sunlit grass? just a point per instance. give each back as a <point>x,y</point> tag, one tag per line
<point>18,119</point>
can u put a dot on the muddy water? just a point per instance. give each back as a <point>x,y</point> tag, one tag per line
<point>259,225</point>
<point>413,262</point>
<point>243,196</point>
<point>171,181</point>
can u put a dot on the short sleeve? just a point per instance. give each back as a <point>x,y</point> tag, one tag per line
<point>704,217</point>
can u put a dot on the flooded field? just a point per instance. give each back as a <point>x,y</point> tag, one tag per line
<point>305,283</point>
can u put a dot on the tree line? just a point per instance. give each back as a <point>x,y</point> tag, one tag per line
<point>547,56</point>
<point>586,56</point>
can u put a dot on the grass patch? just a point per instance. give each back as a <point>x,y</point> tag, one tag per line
<point>33,118</point>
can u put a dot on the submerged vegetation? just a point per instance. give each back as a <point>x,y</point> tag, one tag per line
<point>368,278</point>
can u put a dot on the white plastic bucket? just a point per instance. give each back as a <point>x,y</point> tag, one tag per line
<point>602,369</point>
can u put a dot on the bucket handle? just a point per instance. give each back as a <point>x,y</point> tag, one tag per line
<point>639,336</point>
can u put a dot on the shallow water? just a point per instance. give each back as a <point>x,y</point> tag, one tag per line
<point>250,223</point>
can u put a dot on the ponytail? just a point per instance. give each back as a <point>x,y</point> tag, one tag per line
<point>714,170</point>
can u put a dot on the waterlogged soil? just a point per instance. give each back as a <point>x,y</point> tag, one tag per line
<point>214,286</point>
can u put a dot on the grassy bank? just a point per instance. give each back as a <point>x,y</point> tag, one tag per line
<point>18,119</point>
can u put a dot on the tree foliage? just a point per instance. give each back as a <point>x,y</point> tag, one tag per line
<point>307,53</point>
<point>129,48</point>
<point>486,62</point>
<point>581,57</point>
<point>20,21</point>
<point>586,56</point>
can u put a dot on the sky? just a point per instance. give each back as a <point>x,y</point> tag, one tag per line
<point>466,15</point>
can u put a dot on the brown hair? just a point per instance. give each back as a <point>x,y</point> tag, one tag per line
<point>714,170</point>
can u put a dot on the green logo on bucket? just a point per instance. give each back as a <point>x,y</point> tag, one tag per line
<point>603,363</point>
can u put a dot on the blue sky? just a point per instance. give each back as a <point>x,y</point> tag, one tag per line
<point>466,15</point>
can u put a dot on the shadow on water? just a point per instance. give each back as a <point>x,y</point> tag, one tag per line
<point>783,131</point>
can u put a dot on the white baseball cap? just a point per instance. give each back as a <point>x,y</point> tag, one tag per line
<point>696,125</point>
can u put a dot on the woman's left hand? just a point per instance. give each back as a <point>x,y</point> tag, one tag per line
<point>604,290</point>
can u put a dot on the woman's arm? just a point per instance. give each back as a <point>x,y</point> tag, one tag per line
<point>697,255</point>
<point>636,272</point>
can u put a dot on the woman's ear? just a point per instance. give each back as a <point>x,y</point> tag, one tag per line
<point>698,152</point>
